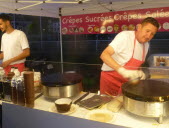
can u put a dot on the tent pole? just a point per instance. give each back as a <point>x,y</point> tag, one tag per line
<point>41,35</point>
<point>61,50</point>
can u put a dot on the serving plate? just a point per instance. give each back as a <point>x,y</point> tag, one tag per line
<point>101,115</point>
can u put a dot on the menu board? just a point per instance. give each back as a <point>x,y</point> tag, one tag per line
<point>112,22</point>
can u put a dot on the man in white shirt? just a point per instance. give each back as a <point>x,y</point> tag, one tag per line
<point>14,45</point>
<point>124,56</point>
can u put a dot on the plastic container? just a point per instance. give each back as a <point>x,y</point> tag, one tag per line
<point>14,85</point>
<point>14,91</point>
<point>2,73</point>
<point>20,91</point>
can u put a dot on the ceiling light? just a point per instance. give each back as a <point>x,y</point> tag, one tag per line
<point>45,1</point>
<point>64,2</point>
<point>29,6</point>
<point>48,1</point>
<point>28,1</point>
<point>82,0</point>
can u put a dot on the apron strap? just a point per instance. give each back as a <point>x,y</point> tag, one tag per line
<point>143,54</point>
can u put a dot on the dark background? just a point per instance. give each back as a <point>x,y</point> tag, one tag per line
<point>81,53</point>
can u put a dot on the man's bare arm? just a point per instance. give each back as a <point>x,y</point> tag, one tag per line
<point>107,59</point>
<point>24,54</point>
<point>1,55</point>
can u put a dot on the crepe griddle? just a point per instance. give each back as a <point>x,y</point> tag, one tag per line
<point>147,90</point>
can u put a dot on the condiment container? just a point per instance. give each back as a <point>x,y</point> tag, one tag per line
<point>162,62</point>
<point>167,62</point>
<point>14,91</point>
<point>14,85</point>
<point>20,91</point>
<point>7,92</point>
<point>2,74</point>
<point>158,61</point>
<point>29,88</point>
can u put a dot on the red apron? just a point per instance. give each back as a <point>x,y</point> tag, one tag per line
<point>20,67</point>
<point>111,81</point>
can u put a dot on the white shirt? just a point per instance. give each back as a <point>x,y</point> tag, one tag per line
<point>13,44</point>
<point>123,45</point>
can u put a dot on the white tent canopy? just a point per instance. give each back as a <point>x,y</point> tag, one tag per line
<point>52,8</point>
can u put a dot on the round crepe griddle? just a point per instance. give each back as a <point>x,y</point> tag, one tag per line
<point>147,90</point>
<point>61,79</point>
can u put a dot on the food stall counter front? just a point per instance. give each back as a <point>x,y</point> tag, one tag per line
<point>43,115</point>
<point>15,116</point>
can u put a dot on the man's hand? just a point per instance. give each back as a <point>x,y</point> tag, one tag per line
<point>6,63</point>
<point>129,74</point>
<point>142,75</point>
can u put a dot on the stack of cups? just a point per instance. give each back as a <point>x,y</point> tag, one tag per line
<point>29,88</point>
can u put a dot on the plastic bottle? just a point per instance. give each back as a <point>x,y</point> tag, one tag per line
<point>7,91</point>
<point>20,91</point>
<point>14,86</point>
<point>2,73</point>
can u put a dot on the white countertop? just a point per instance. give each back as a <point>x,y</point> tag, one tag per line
<point>122,117</point>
